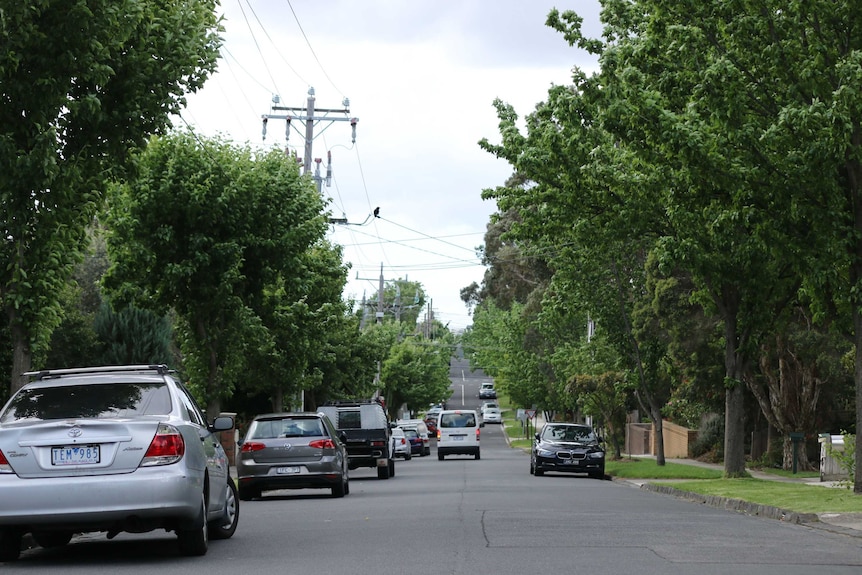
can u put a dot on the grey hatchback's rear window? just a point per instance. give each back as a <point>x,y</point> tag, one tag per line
<point>89,401</point>
<point>286,427</point>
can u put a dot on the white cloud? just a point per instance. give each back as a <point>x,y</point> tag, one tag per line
<point>421,76</point>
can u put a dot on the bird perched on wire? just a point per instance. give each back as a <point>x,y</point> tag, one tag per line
<point>377,212</point>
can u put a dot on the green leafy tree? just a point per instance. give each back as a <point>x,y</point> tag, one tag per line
<point>745,107</point>
<point>133,336</point>
<point>415,374</point>
<point>298,312</point>
<point>206,229</point>
<point>85,82</point>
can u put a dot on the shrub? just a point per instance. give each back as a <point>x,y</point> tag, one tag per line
<point>846,459</point>
<point>710,437</point>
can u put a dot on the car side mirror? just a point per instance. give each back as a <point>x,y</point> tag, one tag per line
<point>342,437</point>
<point>221,423</point>
<point>537,437</point>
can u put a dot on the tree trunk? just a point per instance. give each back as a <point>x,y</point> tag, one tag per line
<point>658,425</point>
<point>857,376</point>
<point>22,356</point>
<point>734,400</point>
<point>277,399</point>
<point>854,199</point>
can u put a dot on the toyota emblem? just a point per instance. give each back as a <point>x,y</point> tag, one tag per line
<point>75,432</point>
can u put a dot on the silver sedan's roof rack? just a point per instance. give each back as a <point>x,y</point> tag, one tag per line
<point>160,369</point>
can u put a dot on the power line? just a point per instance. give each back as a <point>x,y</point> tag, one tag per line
<point>316,59</point>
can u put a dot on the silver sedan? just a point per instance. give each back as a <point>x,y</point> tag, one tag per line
<point>120,448</point>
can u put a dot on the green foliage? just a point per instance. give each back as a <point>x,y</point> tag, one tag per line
<point>224,237</point>
<point>415,373</point>
<point>84,83</point>
<point>133,336</point>
<point>710,438</point>
<point>846,458</point>
<point>74,343</point>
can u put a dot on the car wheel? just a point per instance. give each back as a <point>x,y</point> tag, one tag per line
<point>225,528</point>
<point>383,472</point>
<point>346,485</point>
<point>339,490</point>
<point>50,539</point>
<point>195,541</point>
<point>392,467</point>
<point>408,457</point>
<point>600,474</point>
<point>440,457</point>
<point>538,471</point>
<point>532,467</point>
<point>478,455</point>
<point>427,451</point>
<point>10,544</point>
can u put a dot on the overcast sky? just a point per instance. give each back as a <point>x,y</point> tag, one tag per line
<point>421,77</point>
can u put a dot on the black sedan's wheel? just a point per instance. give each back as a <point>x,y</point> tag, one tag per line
<point>538,471</point>
<point>532,467</point>
<point>225,528</point>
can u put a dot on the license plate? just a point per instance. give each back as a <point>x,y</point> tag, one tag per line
<point>457,438</point>
<point>75,455</point>
<point>287,470</point>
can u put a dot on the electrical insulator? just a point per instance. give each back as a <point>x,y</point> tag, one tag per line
<point>353,122</point>
<point>328,169</point>
<point>287,129</point>
<point>265,120</point>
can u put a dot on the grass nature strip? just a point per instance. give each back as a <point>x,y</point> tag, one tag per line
<point>796,497</point>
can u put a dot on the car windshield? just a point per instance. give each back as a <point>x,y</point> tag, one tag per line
<point>568,433</point>
<point>286,427</point>
<point>411,433</point>
<point>89,401</point>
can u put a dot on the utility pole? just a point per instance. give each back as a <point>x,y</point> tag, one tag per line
<point>381,282</point>
<point>312,116</point>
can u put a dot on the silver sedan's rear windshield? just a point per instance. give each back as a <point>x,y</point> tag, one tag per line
<point>88,401</point>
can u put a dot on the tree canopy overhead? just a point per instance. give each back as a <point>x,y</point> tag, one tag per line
<point>222,236</point>
<point>84,82</point>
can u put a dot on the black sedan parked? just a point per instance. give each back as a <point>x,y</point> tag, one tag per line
<point>292,451</point>
<point>567,448</point>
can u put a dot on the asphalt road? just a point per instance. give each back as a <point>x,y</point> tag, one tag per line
<point>461,516</point>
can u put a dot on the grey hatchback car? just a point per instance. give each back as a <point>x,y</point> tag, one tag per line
<point>119,448</point>
<point>292,451</point>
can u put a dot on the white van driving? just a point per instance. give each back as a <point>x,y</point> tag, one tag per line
<point>458,433</point>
